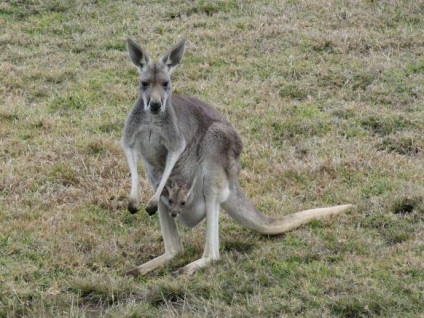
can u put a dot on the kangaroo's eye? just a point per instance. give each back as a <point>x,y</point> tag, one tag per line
<point>165,85</point>
<point>170,201</point>
<point>144,84</point>
<point>182,203</point>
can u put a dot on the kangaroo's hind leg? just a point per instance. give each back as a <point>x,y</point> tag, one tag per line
<point>211,251</point>
<point>215,189</point>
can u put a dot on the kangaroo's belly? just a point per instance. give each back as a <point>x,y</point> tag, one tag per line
<point>193,215</point>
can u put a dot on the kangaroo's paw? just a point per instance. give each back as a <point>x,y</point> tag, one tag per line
<point>133,207</point>
<point>152,206</point>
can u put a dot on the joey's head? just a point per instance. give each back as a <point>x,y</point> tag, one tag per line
<point>178,196</point>
<point>155,78</point>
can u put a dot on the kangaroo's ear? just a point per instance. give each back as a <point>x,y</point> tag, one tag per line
<point>174,56</point>
<point>137,54</point>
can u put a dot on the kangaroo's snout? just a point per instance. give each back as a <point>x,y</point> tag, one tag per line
<point>155,107</point>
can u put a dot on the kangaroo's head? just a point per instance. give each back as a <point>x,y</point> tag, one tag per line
<point>155,78</point>
<point>178,197</point>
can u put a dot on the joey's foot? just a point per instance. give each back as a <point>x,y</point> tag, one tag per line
<point>152,206</point>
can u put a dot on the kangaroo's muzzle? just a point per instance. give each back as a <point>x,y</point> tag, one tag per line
<point>155,107</point>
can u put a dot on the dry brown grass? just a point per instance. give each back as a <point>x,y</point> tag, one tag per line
<point>328,99</point>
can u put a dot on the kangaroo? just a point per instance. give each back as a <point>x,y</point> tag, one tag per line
<point>185,137</point>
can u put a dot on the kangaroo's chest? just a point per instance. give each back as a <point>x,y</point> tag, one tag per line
<point>151,146</point>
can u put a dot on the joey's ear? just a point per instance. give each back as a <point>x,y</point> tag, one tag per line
<point>137,54</point>
<point>174,56</point>
<point>169,188</point>
<point>170,184</point>
<point>192,186</point>
<point>188,190</point>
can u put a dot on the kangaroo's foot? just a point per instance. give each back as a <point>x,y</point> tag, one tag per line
<point>193,267</point>
<point>151,265</point>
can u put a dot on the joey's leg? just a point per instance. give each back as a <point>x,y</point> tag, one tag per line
<point>211,251</point>
<point>171,239</point>
<point>171,159</point>
<point>132,158</point>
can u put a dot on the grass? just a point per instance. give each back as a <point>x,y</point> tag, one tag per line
<point>328,99</point>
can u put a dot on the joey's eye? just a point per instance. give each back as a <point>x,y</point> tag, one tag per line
<point>170,201</point>
<point>182,203</point>
<point>165,85</point>
<point>144,84</point>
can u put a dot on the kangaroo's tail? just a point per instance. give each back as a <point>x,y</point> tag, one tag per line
<point>239,207</point>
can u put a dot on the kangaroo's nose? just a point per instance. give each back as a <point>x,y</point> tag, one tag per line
<point>155,107</point>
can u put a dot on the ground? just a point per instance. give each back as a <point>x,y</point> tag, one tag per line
<point>328,99</point>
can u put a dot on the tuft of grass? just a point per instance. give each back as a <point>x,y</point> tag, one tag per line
<point>102,290</point>
<point>403,144</point>
<point>409,204</point>
<point>63,174</point>
<point>368,305</point>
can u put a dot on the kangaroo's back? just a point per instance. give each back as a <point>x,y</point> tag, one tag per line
<point>195,114</point>
<point>209,137</point>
